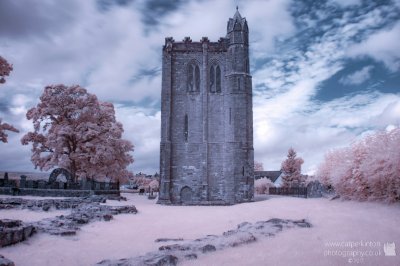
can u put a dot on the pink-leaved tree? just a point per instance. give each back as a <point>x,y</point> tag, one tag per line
<point>369,169</point>
<point>3,128</point>
<point>5,69</point>
<point>291,170</point>
<point>262,185</point>
<point>75,131</point>
<point>258,166</point>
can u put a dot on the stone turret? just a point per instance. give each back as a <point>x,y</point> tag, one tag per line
<point>237,30</point>
<point>240,103</point>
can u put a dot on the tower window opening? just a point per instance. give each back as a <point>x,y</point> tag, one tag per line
<point>212,79</point>
<point>215,79</point>
<point>186,128</point>
<point>193,78</point>
<point>246,66</point>
<point>218,78</point>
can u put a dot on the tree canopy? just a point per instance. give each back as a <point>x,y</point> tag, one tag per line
<point>369,169</point>
<point>291,169</point>
<point>5,69</point>
<point>75,131</point>
<point>258,166</point>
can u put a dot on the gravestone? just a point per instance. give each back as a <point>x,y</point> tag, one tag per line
<point>41,184</point>
<point>62,185</point>
<point>5,179</point>
<point>22,181</point>
<point>315,189</point>
<point>29,184</point>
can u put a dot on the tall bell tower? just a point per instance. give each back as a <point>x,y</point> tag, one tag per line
<point>206,149</point>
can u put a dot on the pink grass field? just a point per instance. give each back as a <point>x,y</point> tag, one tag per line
<point>348,224</point>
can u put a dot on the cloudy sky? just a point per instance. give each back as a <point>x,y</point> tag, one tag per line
<point>324,72</point>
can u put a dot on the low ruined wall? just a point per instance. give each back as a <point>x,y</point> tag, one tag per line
<point>55,192</point>
<point>43,188</point>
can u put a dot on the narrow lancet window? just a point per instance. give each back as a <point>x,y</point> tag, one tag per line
<point>193,78</point>
<point>246,66</point>
<point>218,79</point>
<point>197,78</point>
<point>186,128</point>
<point>190,78</point>
<point>212,79</point>
<point>215,79</point>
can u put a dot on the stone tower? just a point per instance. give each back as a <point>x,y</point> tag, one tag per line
<point>206,150</point>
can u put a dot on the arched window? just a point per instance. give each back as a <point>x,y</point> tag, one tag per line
<point>212,79</point>
<point>215,79</point>
<point>218,79</point>
<point>186,128</point>
<point>193,78</point>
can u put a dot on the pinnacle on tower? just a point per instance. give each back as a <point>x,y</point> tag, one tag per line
<point>237,15</point>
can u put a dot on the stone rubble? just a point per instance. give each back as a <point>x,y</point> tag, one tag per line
<point>245,233</point>
<point>14,231</point>
<point>81,215</point>
<point>83,211</point>
<point>5,262</point>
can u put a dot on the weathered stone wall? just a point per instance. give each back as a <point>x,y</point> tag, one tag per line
<point>53,188</point>
<point>206,150</point>
<point>54,192</point>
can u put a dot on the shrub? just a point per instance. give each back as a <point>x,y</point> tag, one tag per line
<point>262,185</point>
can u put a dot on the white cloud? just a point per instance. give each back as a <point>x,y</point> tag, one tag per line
<point>357,77</point>
<point>263,18</point>
<point>319,128</point>
<point>99,50</point>
<point>347,3</point>
<point>381,46</point>
<point>142,128</point>
<point>286,114</point>
<point>107,52</point>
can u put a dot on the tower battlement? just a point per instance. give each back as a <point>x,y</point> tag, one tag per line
<point>187,45</point>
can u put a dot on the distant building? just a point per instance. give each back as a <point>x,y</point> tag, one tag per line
<point>274,176</point>
<point>206,151</point>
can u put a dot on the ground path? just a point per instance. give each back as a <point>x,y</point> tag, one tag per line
<point>134,235</point>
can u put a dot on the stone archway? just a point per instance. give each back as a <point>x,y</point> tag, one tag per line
<point>60,171</point>
<point>186,195</point>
